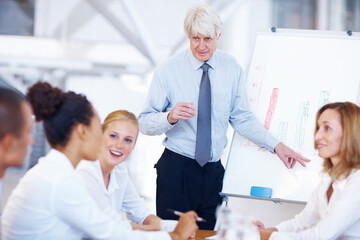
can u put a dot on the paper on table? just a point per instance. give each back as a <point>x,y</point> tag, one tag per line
<point>168,225</point>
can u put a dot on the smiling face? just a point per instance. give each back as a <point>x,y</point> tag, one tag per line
<point>119,140</point>
<point>328,136</point>
<point>202,47</point>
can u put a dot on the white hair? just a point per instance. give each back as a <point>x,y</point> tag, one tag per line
<point>202,20</point>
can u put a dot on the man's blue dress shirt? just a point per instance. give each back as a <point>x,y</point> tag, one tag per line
<point>178,80</point>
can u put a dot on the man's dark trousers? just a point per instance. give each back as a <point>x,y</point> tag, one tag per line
<point>183,185</point>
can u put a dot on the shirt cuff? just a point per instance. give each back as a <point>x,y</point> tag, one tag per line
<point>164,123</point>
<point>272,143</point>
<point>144,216</point>
<point>281,227</point>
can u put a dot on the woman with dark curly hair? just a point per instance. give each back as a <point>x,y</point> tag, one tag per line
<point>50,201</point>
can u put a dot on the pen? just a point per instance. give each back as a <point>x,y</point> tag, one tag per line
<point>178,213</point>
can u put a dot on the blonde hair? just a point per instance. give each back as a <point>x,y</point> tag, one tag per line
<point>350,145</point>
<point>120,115</point>
<point>202,20</point>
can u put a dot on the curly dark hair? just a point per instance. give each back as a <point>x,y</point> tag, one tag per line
<point>60,111</point>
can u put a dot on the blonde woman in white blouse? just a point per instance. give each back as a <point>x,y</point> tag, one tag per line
<point>107,179</point>
<point>333,210</point>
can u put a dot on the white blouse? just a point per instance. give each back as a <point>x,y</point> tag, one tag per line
<point>1,187</point>
<point>51,202</point>
<point>337,219</point>
<point>120,196</point>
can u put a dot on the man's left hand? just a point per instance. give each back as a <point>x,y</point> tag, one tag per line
<point>288,156</point>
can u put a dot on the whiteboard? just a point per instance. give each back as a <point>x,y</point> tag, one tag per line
<point>292,74</point>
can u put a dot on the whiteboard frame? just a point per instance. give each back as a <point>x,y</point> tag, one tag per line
<point>300,33</point>
<point>275,200</point>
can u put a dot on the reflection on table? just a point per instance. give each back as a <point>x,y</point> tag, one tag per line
<point>202,234</point>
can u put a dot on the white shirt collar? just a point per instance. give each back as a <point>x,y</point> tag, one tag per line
<point>60,159</point>
<point>196,63</point>
<point>94,168</point>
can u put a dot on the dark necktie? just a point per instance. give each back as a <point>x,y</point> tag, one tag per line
<point>203,134</point>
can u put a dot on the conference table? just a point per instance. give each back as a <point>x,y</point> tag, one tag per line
<point>203,234</point>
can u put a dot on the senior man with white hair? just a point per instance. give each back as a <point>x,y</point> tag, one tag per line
<point>192,99</point>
